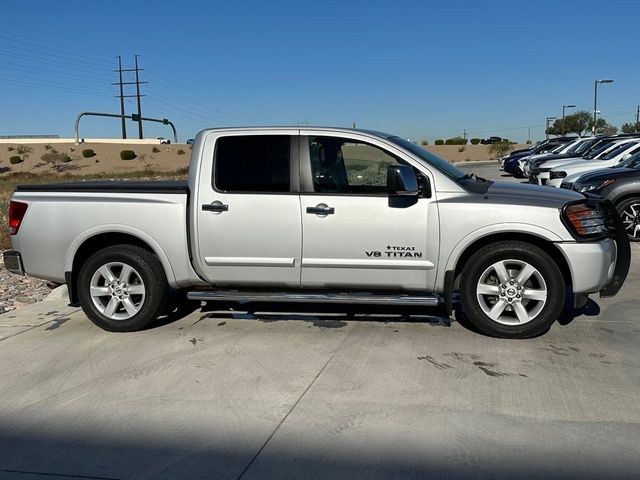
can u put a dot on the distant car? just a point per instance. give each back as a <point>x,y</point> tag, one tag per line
<point>572,170</point>
<point>491,140</point>
<point>620,185</point>
<point>191,141</point>
<point>163,140</point>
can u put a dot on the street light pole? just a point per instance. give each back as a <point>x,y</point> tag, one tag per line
<point>595,103</point>
<point>563,109</point>
<point>545,130</point>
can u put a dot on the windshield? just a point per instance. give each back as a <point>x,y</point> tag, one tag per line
<point>617,151</point>
<point>632,162</point>
<point>559,148</point>
<point>429,158</point>
<point>599,150</point>
<point>581,146</point>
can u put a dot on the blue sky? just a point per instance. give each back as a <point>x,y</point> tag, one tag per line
<point>424,70</point>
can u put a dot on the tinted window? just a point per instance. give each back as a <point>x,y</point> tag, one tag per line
<point>256,163</point>
<point>616,151</point>
<point>339,165</point>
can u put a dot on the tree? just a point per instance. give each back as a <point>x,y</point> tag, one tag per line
<point>603,128</point>
<point>631,127</point>
<point>578,123</point>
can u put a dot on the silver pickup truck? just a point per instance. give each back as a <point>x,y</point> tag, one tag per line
<point>319,215</point>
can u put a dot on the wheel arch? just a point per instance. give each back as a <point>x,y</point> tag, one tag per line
<point>543,243</point>
<point>91,241</point>
<point>626,196</point>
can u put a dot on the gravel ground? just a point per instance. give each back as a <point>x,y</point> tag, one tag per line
<point>17,291</point>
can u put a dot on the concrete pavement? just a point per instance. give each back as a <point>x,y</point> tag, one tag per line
<point>300,395</point>
<point>267,395</point>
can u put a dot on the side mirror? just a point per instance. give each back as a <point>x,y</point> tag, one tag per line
<point>401,180</point>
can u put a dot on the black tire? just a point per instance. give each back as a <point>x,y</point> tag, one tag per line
<point>149,270</point>
<point>547,270</point>
<point>625,212</point>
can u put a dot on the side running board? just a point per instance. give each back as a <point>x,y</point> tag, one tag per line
<point>311,297</point>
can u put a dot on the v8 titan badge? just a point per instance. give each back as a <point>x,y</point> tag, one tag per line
<point>395,251</point>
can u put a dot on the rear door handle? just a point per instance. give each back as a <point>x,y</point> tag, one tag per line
<point>216,207</point>
<point>321,209</point>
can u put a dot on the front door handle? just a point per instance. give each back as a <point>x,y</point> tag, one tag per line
<point>215,207</point>
<point>321,209</point>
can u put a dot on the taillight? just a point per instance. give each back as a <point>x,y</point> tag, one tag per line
<point>588,220</point>
<point>16,214</point>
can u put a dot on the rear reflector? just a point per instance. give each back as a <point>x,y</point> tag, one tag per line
<point>16,214</point>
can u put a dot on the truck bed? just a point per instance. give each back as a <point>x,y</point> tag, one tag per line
<point>111,186</point>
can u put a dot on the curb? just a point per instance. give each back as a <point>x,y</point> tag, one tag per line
<point>58,293</point>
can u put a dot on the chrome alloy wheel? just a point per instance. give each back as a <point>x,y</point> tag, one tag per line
<point>117,290</point>
<point>511,292</point>
<point>631,220</point>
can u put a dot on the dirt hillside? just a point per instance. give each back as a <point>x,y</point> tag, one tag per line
<point>68,158</point>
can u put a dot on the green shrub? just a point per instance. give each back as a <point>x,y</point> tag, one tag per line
<point>88,153</point>
<point>48,147</point>
<point>15,160</point>
<point>127,154</point>
<point>11,149</point>
<point>456,141</point>
<point>424,143</point>
<point>180,151</point>
<point>500,149</point>
<point>439,142</point>
<point>155,150</point>
<point>475,141</point>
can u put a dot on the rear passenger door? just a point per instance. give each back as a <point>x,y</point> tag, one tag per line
<point>248,224</point>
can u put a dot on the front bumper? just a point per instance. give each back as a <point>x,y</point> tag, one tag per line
<point>600,266</point>
<point>13,262</point>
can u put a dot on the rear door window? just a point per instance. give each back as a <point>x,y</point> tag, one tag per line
<point>253,163</point>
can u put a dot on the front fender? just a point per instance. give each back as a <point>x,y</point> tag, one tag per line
<point>456,252</point>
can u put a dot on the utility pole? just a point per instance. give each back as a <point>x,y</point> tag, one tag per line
<point>464,135</point>
<point>638,114</point>
<point>124,125</point>
<point>138,96</point>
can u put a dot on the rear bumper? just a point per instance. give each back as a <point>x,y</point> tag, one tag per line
<point>13,262</point>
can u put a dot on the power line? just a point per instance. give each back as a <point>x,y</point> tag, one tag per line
<point>61,53</point>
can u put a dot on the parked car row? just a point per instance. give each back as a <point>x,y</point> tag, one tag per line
<point>606,166</point>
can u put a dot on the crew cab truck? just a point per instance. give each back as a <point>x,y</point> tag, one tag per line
<point>319,215</point>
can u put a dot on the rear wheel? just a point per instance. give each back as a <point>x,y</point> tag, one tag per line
<point>511,290</point>
<point>629,211</point>
<point>122,288</point>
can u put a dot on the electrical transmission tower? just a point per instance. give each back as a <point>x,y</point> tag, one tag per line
<point>122,96</point>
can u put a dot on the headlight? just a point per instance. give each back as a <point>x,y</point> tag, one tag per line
<point>587,187</point>
<point>587,220</point>
<point>560,174</point>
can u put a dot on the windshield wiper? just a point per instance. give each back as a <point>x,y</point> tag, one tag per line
<point>467,175</point>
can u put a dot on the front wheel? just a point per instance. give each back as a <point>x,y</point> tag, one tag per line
<point>629,211</point>
<point>511,290</point>
<point>122,288</point>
